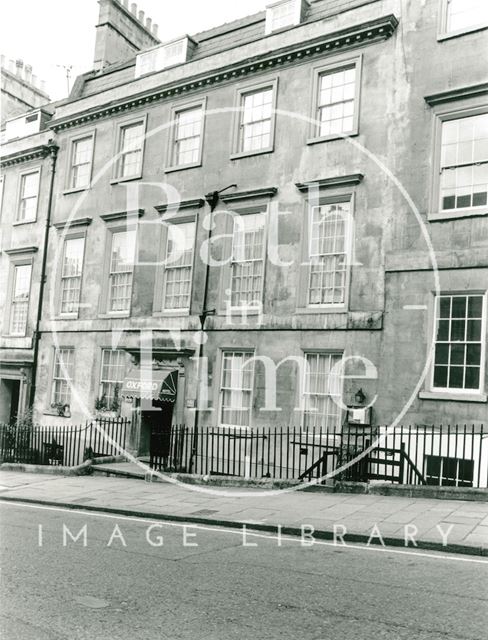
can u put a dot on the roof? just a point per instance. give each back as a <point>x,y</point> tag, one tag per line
<point>212,41</point>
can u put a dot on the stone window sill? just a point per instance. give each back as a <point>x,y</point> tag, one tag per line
<point>441,216</point>
<point>453,397</point>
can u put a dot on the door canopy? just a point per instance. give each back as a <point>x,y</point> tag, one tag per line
<point>160,384</point>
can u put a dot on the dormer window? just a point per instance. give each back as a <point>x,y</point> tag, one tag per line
<point>285,13</point>
<point>165,55</point>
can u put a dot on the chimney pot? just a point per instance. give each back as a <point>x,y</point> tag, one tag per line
<point>34,80</point>
<point>133,8</point>
<point>19,64</point>
<point>125,3</point>
<point>155,29</point>
<point>148,24</point>
<point>141,16</point>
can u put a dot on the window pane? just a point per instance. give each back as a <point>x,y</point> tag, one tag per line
<point>472,378</point>
<point>475,306</point>
<point>440,376</point>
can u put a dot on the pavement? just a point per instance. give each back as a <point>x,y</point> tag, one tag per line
<point>454,526</point>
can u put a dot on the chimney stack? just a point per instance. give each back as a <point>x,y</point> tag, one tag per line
<point>121,33</point>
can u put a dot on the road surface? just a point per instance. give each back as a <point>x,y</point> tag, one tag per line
<point>135,582</point>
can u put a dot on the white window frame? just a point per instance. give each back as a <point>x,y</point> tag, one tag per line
<point>263,212</point>
<point>444,34</point>
<point>112,233</point>
<point>64,278</point>
<point>172,151</point>
<point>120,127</point>
<point>69,188</point>
<point>336,65</point>
<point>65,375</point>
<point>18,220</point>
<point>455,390</point>
<point>440,116</point>
<point>346,253</point>
<point>112,383</point>
<point>159,58</point>
<point>297,14</point>
<point>236,351</point>
<point>169,268</point>
<point>14,266</point>
<point>331,354</point>
<point>241,93</point>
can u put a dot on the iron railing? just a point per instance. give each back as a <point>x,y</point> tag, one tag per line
<point>442,455</point>
<point>66,445</point>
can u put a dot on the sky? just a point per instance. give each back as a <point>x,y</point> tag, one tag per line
<point>53,34</point>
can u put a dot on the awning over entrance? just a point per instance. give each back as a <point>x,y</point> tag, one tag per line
<point>160,384</point>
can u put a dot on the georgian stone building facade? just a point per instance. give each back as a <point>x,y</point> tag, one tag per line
<point>349,143</point>
<point>27,163</point>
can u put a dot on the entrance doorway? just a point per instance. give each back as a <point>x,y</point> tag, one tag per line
<point>154,393</point>
<point>156,430</point>
<point>9,399</point>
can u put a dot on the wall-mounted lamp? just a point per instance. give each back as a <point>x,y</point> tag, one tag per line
<point>359,397</point>
<point>212,198</point>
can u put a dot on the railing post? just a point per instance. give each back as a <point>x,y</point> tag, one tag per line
<point>402,463</point>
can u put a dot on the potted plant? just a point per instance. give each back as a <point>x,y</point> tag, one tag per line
<point>104,409</point>
<point>63,410</point>
<point>101,403</point>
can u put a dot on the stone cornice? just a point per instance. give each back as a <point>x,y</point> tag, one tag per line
<point>71,224</point>
<point>266,192</point>
<point>457,94</point>
<point>330,183</point>
<point>344,39</point>
<point>121,215</point>
<point>20,250</point>
<point>42,151</point>
<point>196,203</point>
